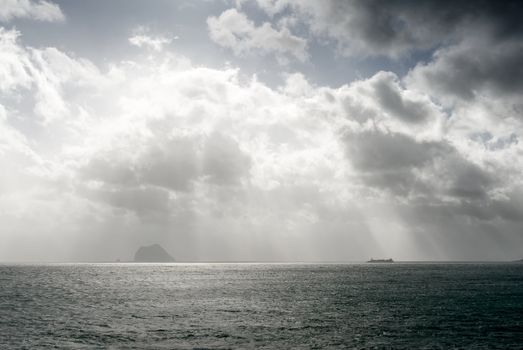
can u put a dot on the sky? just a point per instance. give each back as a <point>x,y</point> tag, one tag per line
<point>263,130</point>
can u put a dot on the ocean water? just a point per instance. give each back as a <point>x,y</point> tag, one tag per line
<point>271,306</point>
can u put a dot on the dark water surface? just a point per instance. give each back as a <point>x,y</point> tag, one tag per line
<point>410,306</point>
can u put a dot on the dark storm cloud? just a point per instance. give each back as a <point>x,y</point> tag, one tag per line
<point>480,46</point>
<point>395,27</point>
<point>466,180</point>
<point>384,97</point>
<point>374,151</point>
<point>388,160</point>
<point>388,93</point>
<point>404,166</point>
<point>433,175</point>
<point>469,68</point>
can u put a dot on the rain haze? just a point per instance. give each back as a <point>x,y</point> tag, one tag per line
<point>268,130</point>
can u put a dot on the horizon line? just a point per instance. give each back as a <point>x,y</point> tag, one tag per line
<point>258,262</point>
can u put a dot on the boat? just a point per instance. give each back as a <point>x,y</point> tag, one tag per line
<point>380,260</point>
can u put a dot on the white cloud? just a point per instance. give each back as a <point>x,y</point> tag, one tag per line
<point>13,62</point>
<point>48,71</point>
<point>154,43</point>
<point>143,38</point>
<point>36,10</point>
<point>233,30</point>
<point>230,168</point>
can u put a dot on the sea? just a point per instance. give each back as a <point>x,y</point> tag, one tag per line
<point>262,306</point>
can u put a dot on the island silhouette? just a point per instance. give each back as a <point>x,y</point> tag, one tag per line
<point>152,253</point>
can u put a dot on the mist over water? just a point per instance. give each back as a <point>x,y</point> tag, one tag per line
<point>277,306</point>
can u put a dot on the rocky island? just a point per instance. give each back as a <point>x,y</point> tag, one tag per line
<point>152,253</point>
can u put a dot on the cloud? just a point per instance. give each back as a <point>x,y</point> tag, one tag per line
<point>385,94</point>
<point>141,200</point>
<point>470,68</point>
<point>223,161</point>
<point>13,62</point>
<point>395,28</point>
<point>13,143</point>
<point>142,38</point>
<point>429,162</point>
<point>476,79</point>
<point>384,152</point>
<point>173,164</point>
<point>156,43</point>
<point>160,149</point>
<point>48,71</point>
<point>167,144</point>
<point>408,168</point>
<point>383,100</point>
<point>233,30</point>
<point>36,10</point>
